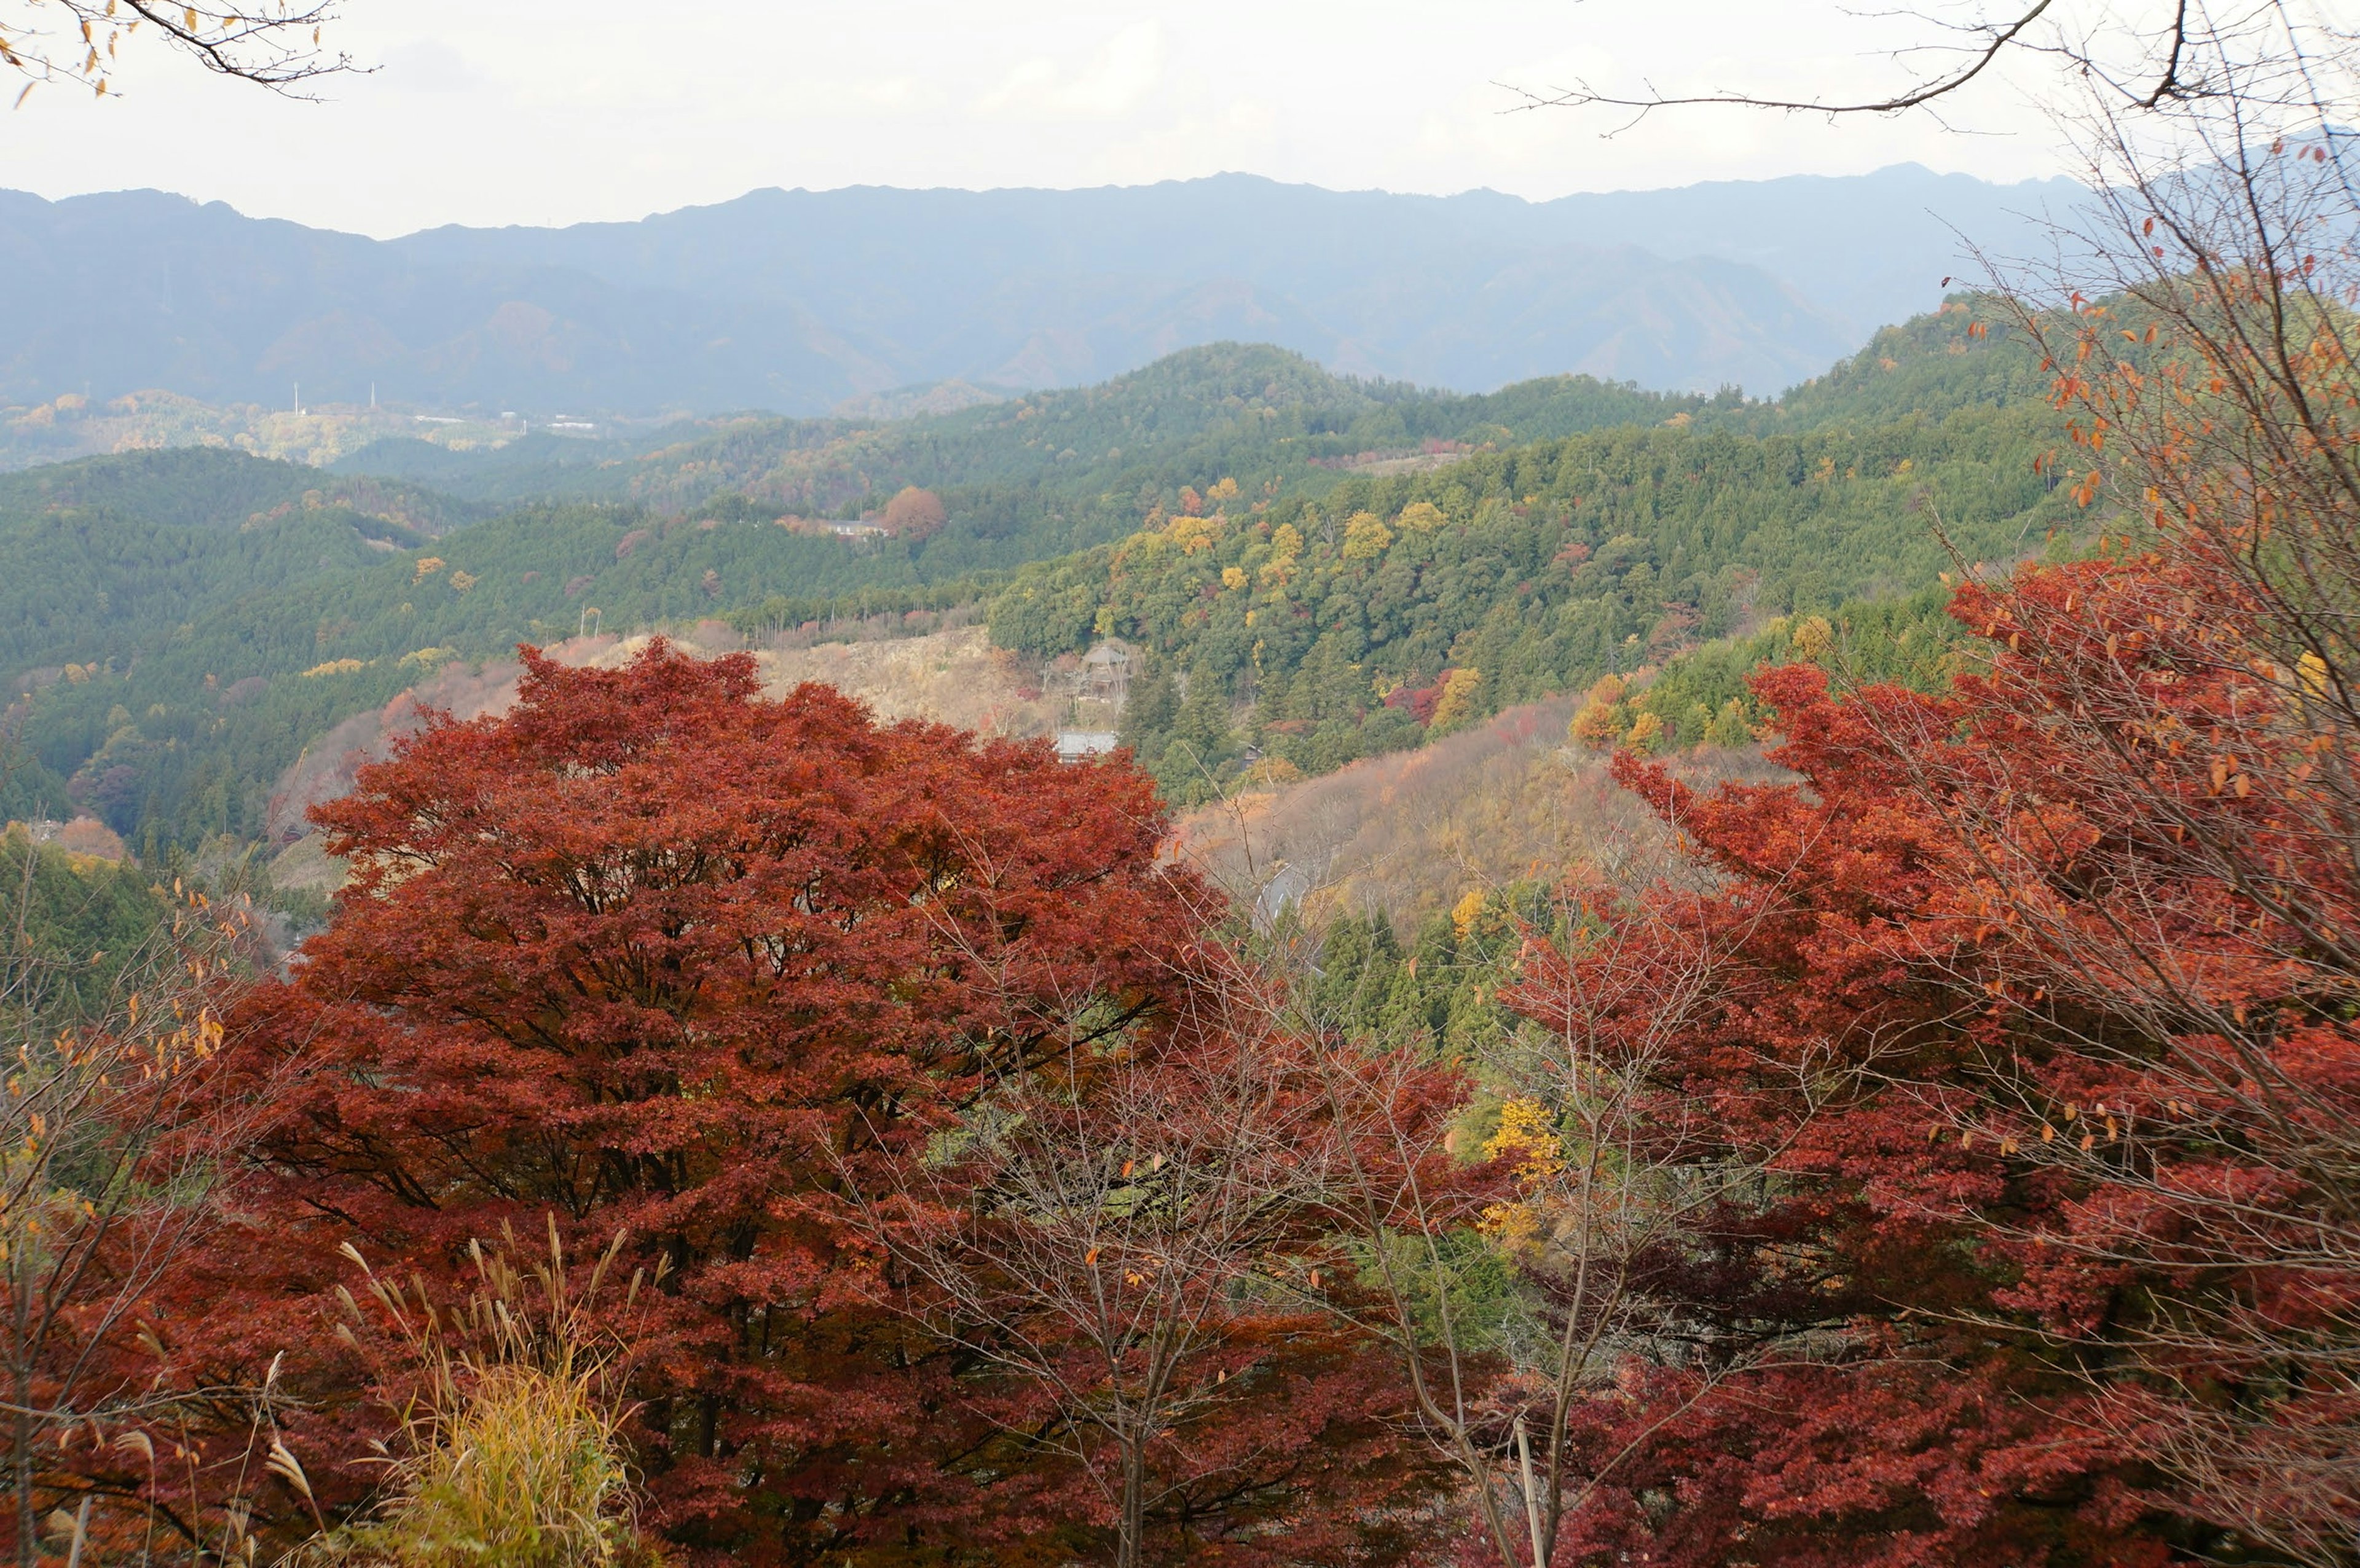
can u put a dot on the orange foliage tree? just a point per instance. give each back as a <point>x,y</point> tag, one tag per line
<point>913,514</point>
<point>1146,1240</point>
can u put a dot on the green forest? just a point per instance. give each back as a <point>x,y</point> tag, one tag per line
<point>1369,616</point>
<point>1316,568</point>
<point>1043,473</point>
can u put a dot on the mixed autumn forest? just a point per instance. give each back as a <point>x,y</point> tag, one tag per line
<point>1884,1098</point>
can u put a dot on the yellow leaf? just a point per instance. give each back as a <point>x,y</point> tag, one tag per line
<point>2311,671</point>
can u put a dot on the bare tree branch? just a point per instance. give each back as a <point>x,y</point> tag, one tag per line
<point>2155,74</point>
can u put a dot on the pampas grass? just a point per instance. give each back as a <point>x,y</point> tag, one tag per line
<point>524,1471</point>
<point>514,1452</point>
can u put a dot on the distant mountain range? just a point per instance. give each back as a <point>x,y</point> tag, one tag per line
<point>800,302</point>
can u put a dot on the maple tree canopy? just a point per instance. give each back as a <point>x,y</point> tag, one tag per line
<point>652,954</point>
<point>2014,1013</point>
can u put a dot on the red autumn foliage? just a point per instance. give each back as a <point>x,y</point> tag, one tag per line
<point>651,955</point>
<point>1419,701</point>
<point>2030,1007</point>
<point>1145,1240</point>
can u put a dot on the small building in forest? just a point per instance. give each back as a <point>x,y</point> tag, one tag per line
<point>1106,672</point>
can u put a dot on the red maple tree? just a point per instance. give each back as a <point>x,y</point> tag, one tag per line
<point>2031,1010</point>
<point>653,955</point>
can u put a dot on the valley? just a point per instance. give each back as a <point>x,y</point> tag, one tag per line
<point>190,622</point>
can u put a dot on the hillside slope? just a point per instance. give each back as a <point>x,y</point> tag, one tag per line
<point>1314,569</point>
<point>1309,629</point>
<point>1042,475</point>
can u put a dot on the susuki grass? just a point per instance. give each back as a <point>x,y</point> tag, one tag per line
<point>523,1472</point>
<point>514,1457</point>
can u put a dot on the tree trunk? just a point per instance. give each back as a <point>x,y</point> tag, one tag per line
<point>22,1463</point>
<point>1130,1546</point>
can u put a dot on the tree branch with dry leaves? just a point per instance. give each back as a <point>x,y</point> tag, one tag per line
<point>1133,1236</point>
<point>279,45</point>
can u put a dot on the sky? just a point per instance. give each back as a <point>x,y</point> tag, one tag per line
<point>537,112</point>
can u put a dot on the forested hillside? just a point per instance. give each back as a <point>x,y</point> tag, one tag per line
<point>1316,568</point>
<point>190,665</point>
<point>1046,473</point>
<point>1389,608</point>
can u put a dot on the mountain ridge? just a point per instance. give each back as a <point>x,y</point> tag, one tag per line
<point>797,301</point>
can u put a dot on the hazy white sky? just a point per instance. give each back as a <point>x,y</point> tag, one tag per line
<point>556,111</point>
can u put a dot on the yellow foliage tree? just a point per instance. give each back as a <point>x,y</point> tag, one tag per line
<point>1285,545</point>
<point>1193,534</point>
<point>1601,719</point>
<point>1457,703</point>
<point>1366,537</point>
